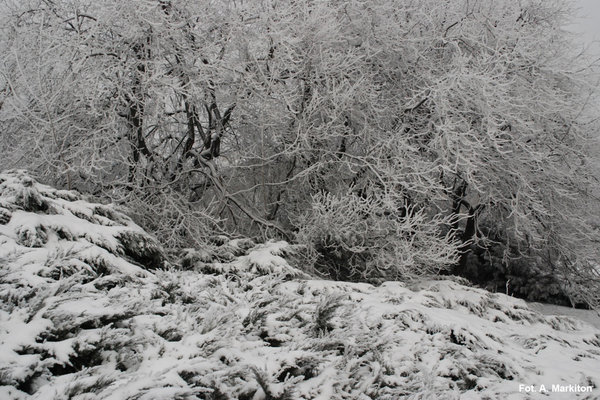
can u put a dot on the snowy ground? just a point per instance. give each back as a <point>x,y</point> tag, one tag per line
<point>591,317</point>
<point>90,310</point>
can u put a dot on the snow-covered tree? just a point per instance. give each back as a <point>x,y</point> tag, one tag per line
<point>379,134</point>
<point>113,98</point>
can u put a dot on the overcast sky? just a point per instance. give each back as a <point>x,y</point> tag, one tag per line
<point>588,22</point>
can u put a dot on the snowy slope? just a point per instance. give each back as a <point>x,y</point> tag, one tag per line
<point>90,310</point>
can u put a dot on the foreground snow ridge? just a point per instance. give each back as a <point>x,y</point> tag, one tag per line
<point>90,309</point>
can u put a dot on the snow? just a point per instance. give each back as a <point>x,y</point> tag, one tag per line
<point>589,316</point>
<point>81,320</point>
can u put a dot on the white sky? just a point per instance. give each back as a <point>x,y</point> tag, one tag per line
<point>588,21</point>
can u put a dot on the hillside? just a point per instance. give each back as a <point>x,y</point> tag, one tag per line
<point>92,308</point>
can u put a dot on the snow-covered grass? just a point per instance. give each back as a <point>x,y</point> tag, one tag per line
<point>90,310</point>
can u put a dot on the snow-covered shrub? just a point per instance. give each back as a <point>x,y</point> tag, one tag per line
<point>80,319</point>
<point>244,256</point>
<point>370,238</point>
<point>32,236</point>
<point>513,268</point>
<point>26,195</point>
<point>143,250</point>
<point>36,214</point>
<point>5,215</point>
<point>325,312</point>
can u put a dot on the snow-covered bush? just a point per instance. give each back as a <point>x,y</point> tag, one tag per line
<point>369,238</point>
<point>36,215</point>
<point>244,256</point>
<point>82,318</point>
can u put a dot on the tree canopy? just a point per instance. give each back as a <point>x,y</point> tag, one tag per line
<point>389,137</point>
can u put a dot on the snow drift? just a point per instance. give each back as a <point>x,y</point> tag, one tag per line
<point>91,309</point>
